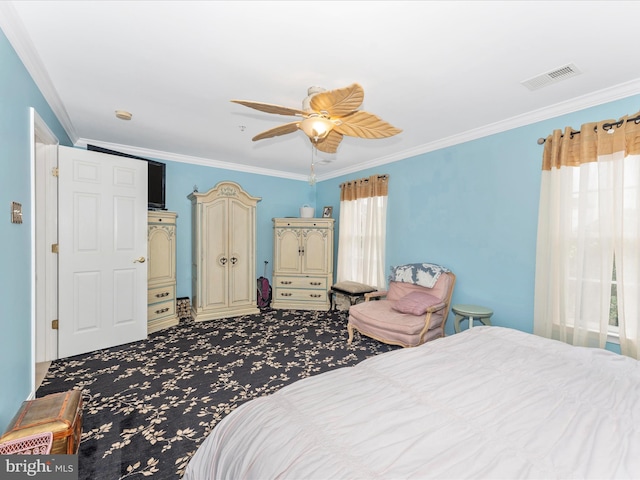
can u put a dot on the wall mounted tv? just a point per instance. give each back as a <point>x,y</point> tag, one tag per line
<point>157,172</point>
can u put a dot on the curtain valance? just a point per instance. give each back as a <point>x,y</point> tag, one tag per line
<point>573,148</point>
<point>373,186</point>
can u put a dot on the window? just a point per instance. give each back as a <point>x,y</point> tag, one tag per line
<point>613,307</point>
<point>362,237</point>
<point>588,254</point>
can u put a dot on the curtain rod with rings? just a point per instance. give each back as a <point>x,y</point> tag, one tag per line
<point>366,179</point>
<point>605,126</point>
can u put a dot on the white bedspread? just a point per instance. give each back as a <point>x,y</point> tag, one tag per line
<point>488,402</point>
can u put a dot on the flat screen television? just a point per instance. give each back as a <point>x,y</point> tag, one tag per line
<point>156,171</point>
<point>156,187</point>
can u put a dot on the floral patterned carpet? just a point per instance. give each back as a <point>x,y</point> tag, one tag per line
<point>148,405</point>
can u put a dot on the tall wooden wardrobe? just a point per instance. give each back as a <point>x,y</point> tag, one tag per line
<point>161,277</point>
<point>302,263</point>
<point>223,252</point>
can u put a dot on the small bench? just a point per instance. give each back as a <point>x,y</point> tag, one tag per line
<point>471,313</point>
<point>354,291</point>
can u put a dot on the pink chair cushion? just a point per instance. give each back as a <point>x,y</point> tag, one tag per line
<point>416,303</point>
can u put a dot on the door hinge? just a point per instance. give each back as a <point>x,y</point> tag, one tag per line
<point>55,172</point>
<point>54,324</point>
<point>54,248</point>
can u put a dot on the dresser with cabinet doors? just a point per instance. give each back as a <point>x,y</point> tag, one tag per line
<point>302,263</point>
<point>223,252</point>
<point>161,270</point>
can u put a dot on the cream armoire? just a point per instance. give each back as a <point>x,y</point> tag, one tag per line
<point>223,252</point>
<point>302,263</point>
<point>161,276</point>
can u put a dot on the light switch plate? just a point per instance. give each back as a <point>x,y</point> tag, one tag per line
<point>16,212</point>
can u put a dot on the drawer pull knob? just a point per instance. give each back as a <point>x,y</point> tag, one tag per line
<point>162,310</point>
<point>285,282</point>
<point>315,283</point>
<point>163,294</point>
<point>285,294</point>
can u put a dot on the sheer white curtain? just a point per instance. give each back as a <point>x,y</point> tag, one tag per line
<point>363,220</point>
<point>588,222</point>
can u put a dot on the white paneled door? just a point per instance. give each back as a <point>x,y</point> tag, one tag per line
<point>102,240</point>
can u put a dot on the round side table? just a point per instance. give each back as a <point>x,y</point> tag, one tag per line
<point>471,312</point>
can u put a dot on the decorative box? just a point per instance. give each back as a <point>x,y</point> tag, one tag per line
<point>58,413</point>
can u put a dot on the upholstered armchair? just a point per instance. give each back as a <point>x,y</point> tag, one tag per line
<point>411,312</point>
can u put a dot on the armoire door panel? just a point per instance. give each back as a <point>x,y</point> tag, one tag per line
<point>241,256</point>
<point>288,251</point>
<point>215,263</point>
<point>160,246</point>
<point>315,257</point>
<point>238,288</point>
<point>215,286</point>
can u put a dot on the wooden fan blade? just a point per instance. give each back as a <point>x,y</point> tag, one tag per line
<point>330,143</point>
<point>338,102</point>
<point>270,108</point>
<point>365,125</point>
<point>277,131</point>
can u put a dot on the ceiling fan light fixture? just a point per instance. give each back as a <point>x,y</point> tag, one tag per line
<point>326,117</point>
<point>123,115</point>
<point>316,127</point>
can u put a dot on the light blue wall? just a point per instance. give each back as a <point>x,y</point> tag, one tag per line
<point>280,198</point>
<point>17,94</point>
<point>472,207</point>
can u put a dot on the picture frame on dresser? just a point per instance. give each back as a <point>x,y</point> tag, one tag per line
<point>327,212</point>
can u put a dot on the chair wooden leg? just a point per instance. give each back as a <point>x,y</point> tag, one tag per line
<point>350,330</point>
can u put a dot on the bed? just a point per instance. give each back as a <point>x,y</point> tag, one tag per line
<point>489,402</point>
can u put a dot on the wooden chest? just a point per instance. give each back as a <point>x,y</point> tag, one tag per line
<point>59,413</point>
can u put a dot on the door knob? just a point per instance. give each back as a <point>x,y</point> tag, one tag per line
<point>140,260</point>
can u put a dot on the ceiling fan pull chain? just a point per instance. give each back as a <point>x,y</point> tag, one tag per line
<point>312,173</point>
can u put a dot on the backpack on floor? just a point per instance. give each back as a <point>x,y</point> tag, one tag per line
<point>264,290</point>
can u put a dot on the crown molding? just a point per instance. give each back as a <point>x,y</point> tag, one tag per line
<point>13,28</point>
<point>175,157</point>
<point>17,35</point>
<point>600,97</point>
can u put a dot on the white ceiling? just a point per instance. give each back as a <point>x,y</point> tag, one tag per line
<point>444,72</point>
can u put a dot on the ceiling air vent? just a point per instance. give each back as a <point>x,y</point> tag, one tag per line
<point>551,77</point>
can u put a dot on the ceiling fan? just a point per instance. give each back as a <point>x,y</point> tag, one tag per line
<point>326,117</point>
